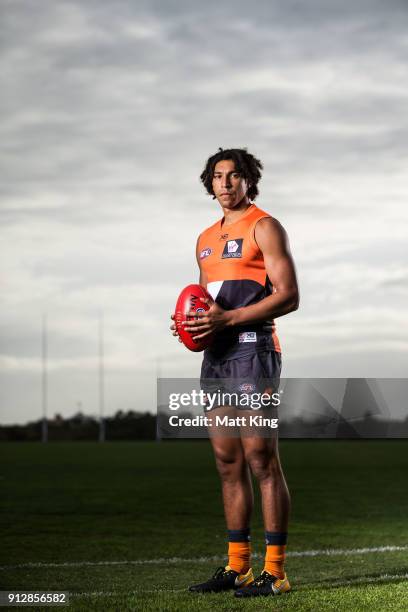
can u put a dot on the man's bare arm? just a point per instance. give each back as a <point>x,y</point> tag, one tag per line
<point>203,277</point>
<point>202,281</point>
<point>280,268</point>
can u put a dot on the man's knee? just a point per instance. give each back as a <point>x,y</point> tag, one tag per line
<point>264,464</point>
<point>229,465</point>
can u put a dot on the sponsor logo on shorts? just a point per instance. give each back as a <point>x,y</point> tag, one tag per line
<point>232,249</point>
<point>247,337</point>
<point>205,253</point>
<point>247,387</point>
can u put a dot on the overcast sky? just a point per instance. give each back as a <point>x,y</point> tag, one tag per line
<point>109,111</point>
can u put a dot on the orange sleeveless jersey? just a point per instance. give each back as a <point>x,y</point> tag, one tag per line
<point>236,275</point>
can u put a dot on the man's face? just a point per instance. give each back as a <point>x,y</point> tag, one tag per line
<point>229,186</point>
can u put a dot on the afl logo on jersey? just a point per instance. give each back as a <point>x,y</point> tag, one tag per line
<point>247,387</point>
<point>205,253</point>
<point>232,249</point>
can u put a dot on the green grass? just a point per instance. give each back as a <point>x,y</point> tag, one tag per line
<point>85,502</point>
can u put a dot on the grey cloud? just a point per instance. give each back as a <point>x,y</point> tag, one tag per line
<point>397,282</point>
<point>24,341</point>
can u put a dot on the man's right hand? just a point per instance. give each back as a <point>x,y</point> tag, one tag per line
<point>173,329</point>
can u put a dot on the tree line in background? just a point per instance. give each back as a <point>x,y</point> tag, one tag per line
<point>133,425</point>
<point>122,426</point>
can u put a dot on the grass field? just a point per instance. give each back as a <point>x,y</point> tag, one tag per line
<point>128,526</point>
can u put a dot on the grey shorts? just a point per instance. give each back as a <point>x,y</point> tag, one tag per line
<point>240,382</point>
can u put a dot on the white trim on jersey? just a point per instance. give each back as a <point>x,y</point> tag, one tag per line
<point>214,288</point>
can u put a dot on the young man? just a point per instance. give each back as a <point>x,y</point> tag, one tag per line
<point>246,265</point>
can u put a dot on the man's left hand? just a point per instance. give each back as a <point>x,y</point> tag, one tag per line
<point>205,323</point>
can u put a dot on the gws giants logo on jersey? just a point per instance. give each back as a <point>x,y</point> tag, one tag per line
<point>205,253</point>
<point>232,249</point>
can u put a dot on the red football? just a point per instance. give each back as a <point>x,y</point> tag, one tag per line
<point>189,299</point>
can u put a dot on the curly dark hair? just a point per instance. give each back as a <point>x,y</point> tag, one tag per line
<point>249,166</point>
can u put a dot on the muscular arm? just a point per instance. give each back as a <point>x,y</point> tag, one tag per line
<point>280,268</point>
<point>203,277</point>
<point>203,281</point>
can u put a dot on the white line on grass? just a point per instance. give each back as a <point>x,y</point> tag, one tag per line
<point>340,551</point>
<point>175,560</point>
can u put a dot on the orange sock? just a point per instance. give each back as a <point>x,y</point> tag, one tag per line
<point>239,556</point>
<point>275,559</point>
<point>275,552</point>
